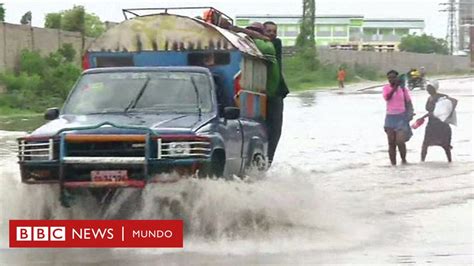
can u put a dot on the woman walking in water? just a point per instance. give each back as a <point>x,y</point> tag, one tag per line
<point>398,115</point>
<point>437,132</point>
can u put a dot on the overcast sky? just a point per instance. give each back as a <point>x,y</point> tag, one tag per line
<point>112,10</point>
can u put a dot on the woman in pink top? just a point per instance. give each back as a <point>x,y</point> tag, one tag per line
<point>397,124</point>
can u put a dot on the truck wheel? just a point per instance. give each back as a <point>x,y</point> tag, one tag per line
<point>258,164</point>
<point>216,167</point>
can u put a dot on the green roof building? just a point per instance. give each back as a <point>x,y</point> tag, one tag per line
<point>351,32</point>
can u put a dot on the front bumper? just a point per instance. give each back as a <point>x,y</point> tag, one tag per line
<point>70,157</point>
<point>76,174</point>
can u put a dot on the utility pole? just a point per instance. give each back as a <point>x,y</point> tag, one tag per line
<point>451,33</point>
<point>306,36</point>
<point>471,48</point>
<point>466,22</point>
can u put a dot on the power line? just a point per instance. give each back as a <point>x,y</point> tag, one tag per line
<point>452,7</point>
<point>455,26</point>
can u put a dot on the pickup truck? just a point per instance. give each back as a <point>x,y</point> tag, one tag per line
<point>128,126</point>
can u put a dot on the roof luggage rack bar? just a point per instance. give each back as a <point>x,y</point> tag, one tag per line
<point>165,9</point>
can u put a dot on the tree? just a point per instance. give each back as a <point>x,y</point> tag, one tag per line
<point>53,21</point>
<point>305,42</point>
<point>26,18</point>
<point>2,12</point>
<point>306,36</point>
<point>94,27</point>
<point>76,19</point>
<point>67,52</point>
<point>423,44</point>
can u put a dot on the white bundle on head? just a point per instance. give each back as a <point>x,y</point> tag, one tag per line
<point>433,83</point>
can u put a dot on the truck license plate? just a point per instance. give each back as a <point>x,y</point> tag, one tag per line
<point>109,175</point>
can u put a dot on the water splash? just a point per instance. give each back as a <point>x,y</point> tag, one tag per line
<point>284,204</point>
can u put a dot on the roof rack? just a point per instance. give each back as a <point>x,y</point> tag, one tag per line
<point>134,11</point>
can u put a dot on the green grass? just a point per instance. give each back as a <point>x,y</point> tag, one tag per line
<point>21,122</point>
<point>300,77</point>
<point>9,111</point>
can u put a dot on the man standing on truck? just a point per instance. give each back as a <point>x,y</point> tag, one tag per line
<point>256,31</point>
<point>275,104</point>
<point>274,100</point>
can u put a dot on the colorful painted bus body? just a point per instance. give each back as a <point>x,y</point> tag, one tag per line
<point>173,40</point>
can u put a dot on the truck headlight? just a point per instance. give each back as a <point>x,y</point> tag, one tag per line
<point>36,150</point>
<point>179,149</point>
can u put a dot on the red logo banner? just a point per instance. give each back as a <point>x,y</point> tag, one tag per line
<point>96,233</point>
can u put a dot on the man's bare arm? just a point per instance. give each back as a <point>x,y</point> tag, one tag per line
<point>250,33</point>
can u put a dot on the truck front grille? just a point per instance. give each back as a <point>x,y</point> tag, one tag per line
<point>106,149</point>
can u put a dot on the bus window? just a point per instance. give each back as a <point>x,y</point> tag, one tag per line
<point>208,59</point>
<point>114,61</point>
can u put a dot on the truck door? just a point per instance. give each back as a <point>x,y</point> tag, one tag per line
<point>231,131</point>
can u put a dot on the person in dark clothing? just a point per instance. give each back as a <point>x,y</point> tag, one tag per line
<point>208,60</point>
<point>275,103</point>
<point>437,132</point>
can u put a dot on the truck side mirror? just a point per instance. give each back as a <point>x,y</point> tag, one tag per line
<point>51,113</point>
<point>231,113</point>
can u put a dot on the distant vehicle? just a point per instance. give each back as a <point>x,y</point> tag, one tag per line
<point>415,79</point>
<point>163,93</point>
<point>461,53</point>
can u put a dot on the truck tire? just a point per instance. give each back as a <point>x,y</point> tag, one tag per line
<point>258,164</point>
<point>216,167</point>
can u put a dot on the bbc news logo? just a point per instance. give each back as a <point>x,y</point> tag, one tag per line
<point>41,233</point>
<point>96,233</point>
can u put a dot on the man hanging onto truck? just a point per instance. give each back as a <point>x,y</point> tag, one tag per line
<point>274,99</point>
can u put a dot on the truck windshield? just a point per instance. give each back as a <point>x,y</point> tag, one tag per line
<point>154,92</point>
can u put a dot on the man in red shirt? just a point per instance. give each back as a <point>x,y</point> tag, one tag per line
<point>341,77</point>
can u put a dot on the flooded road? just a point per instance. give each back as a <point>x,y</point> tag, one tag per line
<point>330,197</point>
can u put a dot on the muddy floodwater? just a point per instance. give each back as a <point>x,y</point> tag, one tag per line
<point>330,197</point>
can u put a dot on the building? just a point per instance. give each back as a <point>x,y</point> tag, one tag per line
<point>351,32</point>
<point>466,21</point>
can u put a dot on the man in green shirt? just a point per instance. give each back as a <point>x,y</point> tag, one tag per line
<point>265,46</point>
<point>274,98</point>
<point>274,78</point>
<point>275,102</point>
<point>273,70</point>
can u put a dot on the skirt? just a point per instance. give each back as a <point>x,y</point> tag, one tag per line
<point>398,122</point>
<point>437,133</point>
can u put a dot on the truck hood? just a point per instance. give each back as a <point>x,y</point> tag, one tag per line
<point>161,123</point>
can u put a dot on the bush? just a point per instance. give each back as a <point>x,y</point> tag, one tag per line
<point>299,75</point>
<point>424,44</point>
<point>20,82</point>
<point>40,81</point>
<point>308,58</point>
<point>31,63</point>
<point>68,52</point>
